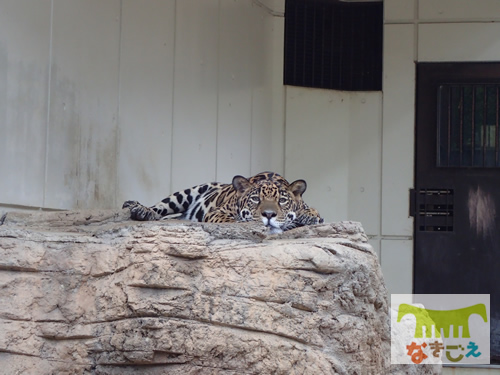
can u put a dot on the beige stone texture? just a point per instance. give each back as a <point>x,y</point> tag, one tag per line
<point>93,293</point>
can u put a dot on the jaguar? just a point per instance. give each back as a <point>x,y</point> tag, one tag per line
<point>266,196</point>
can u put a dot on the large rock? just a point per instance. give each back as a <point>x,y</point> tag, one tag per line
<point>92,293</point>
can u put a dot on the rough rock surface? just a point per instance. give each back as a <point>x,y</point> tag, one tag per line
<point>93,293</point>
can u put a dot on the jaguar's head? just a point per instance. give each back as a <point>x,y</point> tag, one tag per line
<point>273,203</point>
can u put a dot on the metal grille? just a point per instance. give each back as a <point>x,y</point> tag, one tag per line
<point>468,120</point>
<point>333,45</point>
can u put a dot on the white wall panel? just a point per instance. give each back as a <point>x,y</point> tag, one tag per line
<point>317,147</point>
<point>262,141</point>
<point>278,96</point>
<point>83,104</point>
<point>146,94</point>
<point>397,265</point>
<point>397,10</point>
<point>459,42</point>
<point>262,52</point>
<point>195,93</point>
<point>375,243</point>
<point>398,129</point>
<point>274,6</point>
<point>446,10</point>
<point>236,61</point>
<point>24,67</point>
<point>365,147</point>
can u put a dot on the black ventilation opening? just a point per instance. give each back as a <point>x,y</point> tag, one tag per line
<point>333,45</point>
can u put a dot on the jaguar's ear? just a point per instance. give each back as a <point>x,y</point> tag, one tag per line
<point>241,184</point>
<point>298,187</point>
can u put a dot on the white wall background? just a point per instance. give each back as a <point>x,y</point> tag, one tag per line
<point>103,101</point>
<point>331,139</point>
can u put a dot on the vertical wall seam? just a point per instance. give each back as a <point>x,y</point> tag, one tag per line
<point>415,30</point>
<point>351,98</point>
<point>284,102</point>
<point>381,174</point>
<point>251,131</point>
<point>118,107</point>
<point>47,125</point>
<point>283,89</point>
<point>416,15</point>
<point>172,120</point>
<point>381,154</point>
<point>218,94</point>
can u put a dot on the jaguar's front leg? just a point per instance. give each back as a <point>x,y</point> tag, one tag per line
<point>308,216</point>
<point>218,215</point>
<point>140,212</point>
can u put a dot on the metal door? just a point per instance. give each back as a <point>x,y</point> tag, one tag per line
<point>456,200</point>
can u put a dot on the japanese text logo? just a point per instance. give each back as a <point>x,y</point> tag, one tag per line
<point>445,328</point>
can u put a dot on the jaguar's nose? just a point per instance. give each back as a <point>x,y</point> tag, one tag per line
<point>268,214</point>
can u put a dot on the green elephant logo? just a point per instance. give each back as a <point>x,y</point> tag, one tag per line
<point>442,319</point>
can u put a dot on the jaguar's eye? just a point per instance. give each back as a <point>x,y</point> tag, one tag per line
<point>283,200</point>
<point>255,199</point>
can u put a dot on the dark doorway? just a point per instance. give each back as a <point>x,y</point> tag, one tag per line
<point>457,183</point>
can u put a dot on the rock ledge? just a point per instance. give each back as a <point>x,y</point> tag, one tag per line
<point>93,293</point>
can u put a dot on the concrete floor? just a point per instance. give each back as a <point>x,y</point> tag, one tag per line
<point>470,371</point>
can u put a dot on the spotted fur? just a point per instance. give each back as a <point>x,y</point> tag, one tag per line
<point>266,196</point>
